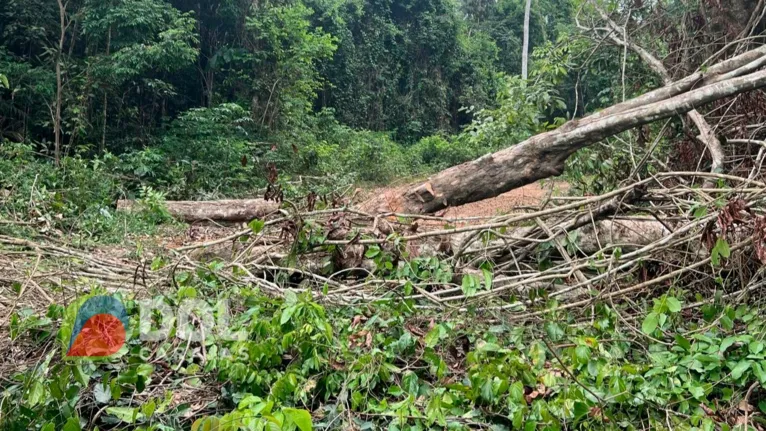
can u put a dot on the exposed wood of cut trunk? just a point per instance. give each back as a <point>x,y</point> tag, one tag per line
<point>231,210</point>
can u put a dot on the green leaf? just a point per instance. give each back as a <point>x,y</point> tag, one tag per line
<point>72,424</point>
<point>582,353</point>
<point>299,417</point>
<point>36,393</point>
<point>726,343</point>
<point>720,249</point>
<point>697,392</point>
<point>210,423</point>
<point>124,414</point>
<point>580,410</point>
<point>149,408</point>
<point>432,338</point>
<point>740,369</point>
<point>49,427</point>
<point>759,372</point>
<point>683,342</point>
<point>723,247</point>
<point>755,347</point>
<point>487,278</point>
<point>80,375</point>
<point>4,81</point>
<point>674,305</point>
<point>287,313</point>
<point>516,392</point>
<point>372,252</point>
<point>554,331</point>
<point>486,390</point>
<point>256,225</point>
<point>650,323</point>
<point>470,285</point>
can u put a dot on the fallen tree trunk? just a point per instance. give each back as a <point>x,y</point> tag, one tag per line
<point>232,210</point>
<point>544,155</point>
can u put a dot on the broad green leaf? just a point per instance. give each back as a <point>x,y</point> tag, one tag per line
<point>580,410</point>
<point>470,285</point>
<point>432,337</point>
<point>582,353</point>
<point>697,392</point>
<point>726,343</point>
<point>36,393</point>
<point>299,417</point>
<point>740,369</point>
<point>210,423</point>
<point>516,392</point>
<point>554,331</point>
<point>124,414</point>
<point>674,305</point>
<point>287,313</point>
<point>755,347</point>
<point>148,408</point>
<point>487,278</point>
<point>759,372</point>
<point>486,390</point>
<point>683,342</point>
<point>723,247</point>
<point>72,424</point>
<point>650,323</point>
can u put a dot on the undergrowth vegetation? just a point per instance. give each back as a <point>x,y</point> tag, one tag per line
<point>260,363</point>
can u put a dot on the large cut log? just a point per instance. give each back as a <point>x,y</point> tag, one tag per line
<point>544,155</point>
<point>232,210</point>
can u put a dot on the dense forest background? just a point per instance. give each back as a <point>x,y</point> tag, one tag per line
<point>199,96</point>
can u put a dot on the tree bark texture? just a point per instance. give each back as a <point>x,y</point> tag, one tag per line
<point>232,210</point>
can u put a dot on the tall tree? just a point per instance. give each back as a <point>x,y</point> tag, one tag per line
<point>59,82</point>
<point>525,48</point>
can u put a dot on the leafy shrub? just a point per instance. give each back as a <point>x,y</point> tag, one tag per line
<point>334,149</point>
<point>435,153</point>
<point>76,197</point>
<point>201,155</point>
<point>152,204</point>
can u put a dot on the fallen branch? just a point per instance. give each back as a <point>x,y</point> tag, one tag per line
<point>544,155</point>
<point>230,210</point>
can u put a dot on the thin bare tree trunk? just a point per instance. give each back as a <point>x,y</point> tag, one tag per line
<point>59,84</point>
<point>544,155</point>
<point>106,99</point>
<point>525,48</point>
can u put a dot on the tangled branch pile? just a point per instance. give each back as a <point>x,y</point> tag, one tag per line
<point>650,234</point>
